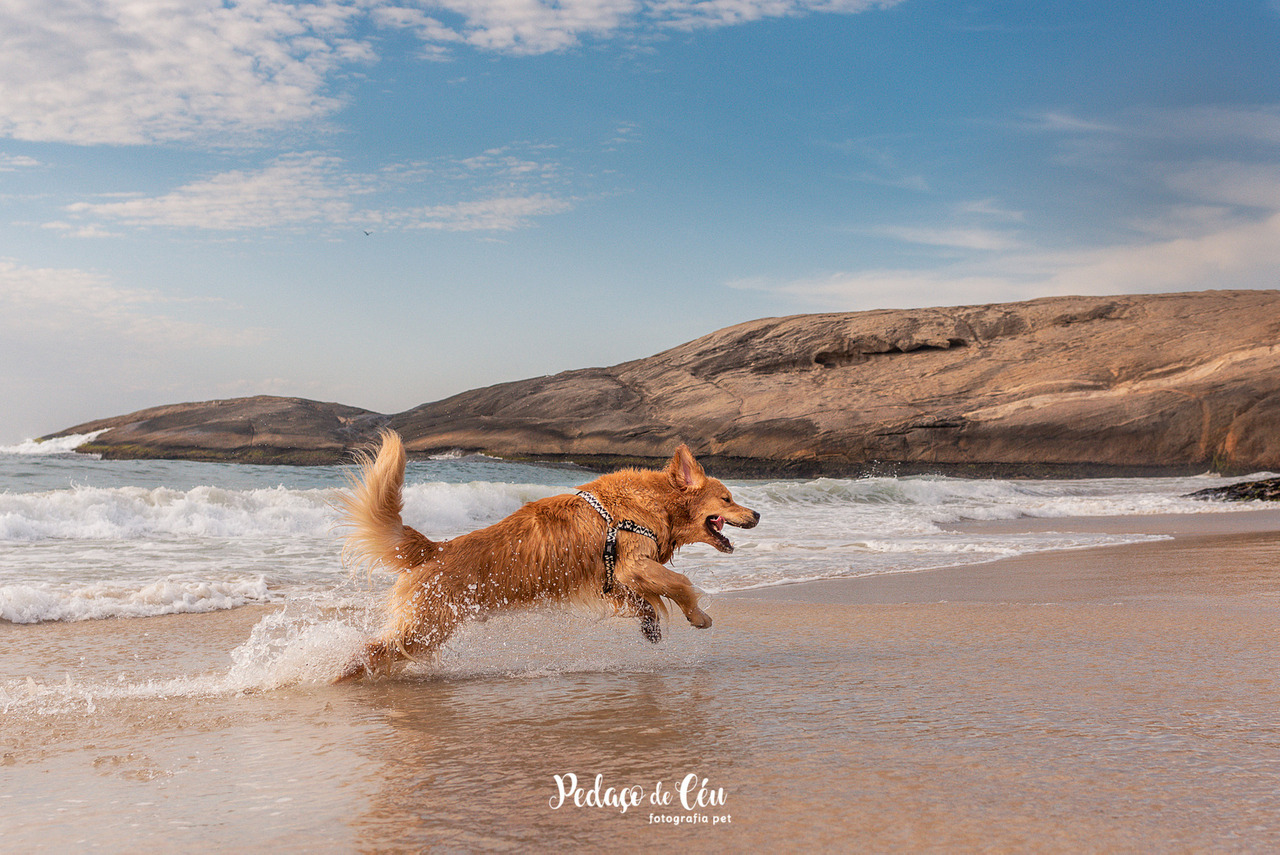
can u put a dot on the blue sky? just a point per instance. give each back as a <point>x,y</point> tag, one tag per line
<point>186,185</point>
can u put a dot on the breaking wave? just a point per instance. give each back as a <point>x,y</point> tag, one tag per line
<point>45,448</point>
<point>136,513</point>
<point>36,603</point>
<point>85,552</point>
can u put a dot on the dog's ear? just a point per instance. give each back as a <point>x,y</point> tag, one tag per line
<point>685,471</point>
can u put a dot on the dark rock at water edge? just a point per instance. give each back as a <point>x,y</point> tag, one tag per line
<point>1266,490</point>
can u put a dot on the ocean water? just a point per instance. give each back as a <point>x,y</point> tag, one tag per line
<point>168,633</point>
<point>82,538</point>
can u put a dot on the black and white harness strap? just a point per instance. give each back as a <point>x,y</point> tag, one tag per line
<point>611,536</point>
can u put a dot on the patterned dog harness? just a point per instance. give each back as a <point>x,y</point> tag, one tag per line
<point>611,536</point>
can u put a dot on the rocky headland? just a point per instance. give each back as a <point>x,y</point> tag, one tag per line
<point>260,429</point>
<point>1140,384</point>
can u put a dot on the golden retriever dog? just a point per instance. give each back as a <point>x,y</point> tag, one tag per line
<point>608,542</point>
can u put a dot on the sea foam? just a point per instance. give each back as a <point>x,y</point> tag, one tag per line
<point>59,445</point>
<point>36,603</point>
<point>129,551</point>
<point>132,513</point>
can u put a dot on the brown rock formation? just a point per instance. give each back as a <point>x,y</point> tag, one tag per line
<point>1062,385</point>
<point>262,429</point>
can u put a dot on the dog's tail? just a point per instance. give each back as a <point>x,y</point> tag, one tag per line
<point>371,510</point>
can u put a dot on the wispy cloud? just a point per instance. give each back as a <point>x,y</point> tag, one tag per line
<point>1219,126</point>
<point>80,304</point>
<point>1210,222</point>
<point>79,230</point>
<point>1059,122</point>
<point>694,14</point>
<point>310,190</point>
<point>14,162</point>
<point>878,162</point>
<point>1243,255</point>
<point>534,26</point>
<point>1211,124</point>
<point>1249,185</point>
<point>960,238</point>
<point>529,26</point>
<point>293,190</point>
<point>497,214</point>
<point>129,72</point>
<point>990,208</point>
<point>140,71</point>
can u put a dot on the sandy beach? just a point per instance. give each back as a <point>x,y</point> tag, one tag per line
<point>1117,699</point>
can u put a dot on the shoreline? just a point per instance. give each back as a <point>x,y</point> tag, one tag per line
<point>1006,578</point>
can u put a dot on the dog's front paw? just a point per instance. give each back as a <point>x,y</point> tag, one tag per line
<point>700,619</point>
<point>651,629</point>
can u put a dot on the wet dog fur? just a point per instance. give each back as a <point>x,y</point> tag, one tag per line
<point>549,550</point>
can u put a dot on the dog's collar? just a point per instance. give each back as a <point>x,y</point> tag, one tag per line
<point>611,536</point>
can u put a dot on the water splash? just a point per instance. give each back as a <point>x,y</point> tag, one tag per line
<point>309,646</point>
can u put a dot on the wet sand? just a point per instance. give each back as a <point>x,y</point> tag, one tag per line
<point>1120,699</point>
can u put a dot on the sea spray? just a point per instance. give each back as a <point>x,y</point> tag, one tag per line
<point>298,646</point>
<point>286,648</point>
<point>49,447</point>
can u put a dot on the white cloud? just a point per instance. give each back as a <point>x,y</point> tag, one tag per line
<point>960,238</point>
<point>531,26</point>
<point>14,162</point>
<point>1206,223</point>
<point>313,190</point>
<point>692,14</point>
<point>1185,221</point>
<point>127,72</point>
<point>1209,223</point>
<point>1243,255</point>
<point>886,168</point>
<point>497,214</point>
<point>1058,122</point>
<point>542,26</point>
<point>1249,185</point>
<point>1213,124</point>
<point>430,31</point>
<point>92,230</point>
<point>80,305</point>
<point>1218,126</point>
<point>293,190</point>
<point>141,71</point>
<point>990,208</point>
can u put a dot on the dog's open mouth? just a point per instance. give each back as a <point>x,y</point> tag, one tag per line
<point>714,526</point>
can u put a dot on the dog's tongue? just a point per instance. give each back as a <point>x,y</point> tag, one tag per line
<point>718,522</point>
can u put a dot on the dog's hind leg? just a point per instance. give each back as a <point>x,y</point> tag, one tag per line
<point>428,625</point>
<point>378,658</point>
